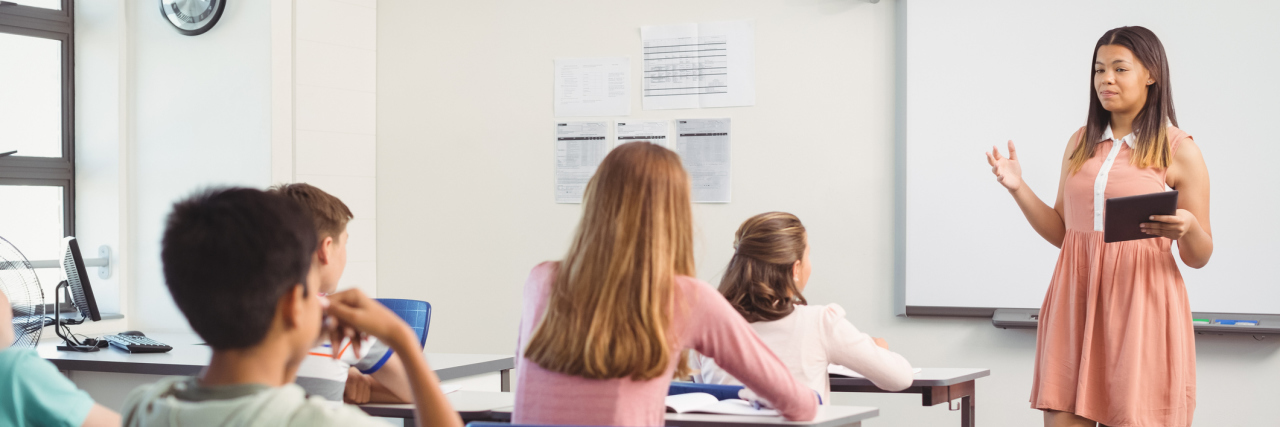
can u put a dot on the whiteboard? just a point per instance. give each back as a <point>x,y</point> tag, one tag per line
<point>979,73</point>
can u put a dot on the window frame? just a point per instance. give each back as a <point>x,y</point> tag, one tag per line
<point>16,169</point>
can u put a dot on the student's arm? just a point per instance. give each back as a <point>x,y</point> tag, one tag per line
<point>6,318</point>
<point>847,346</point>
<point>100,416</point>
<point>1049,222</point>
<point>722,334</point>
<point>1189,226</point>
<point>48,397</point>
<point>390,383</point>
<point>354,309</point>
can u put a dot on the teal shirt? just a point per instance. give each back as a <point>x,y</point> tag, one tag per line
<point>34,393</point>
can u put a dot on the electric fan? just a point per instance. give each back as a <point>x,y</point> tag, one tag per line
<point>18,281</point>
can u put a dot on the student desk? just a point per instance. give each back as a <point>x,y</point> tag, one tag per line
<point>471,406</point>
<point>828,416</point>
<point>935,385</point>
<point>189,356</point>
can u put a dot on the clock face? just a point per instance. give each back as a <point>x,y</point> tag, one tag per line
<point>192,17</point>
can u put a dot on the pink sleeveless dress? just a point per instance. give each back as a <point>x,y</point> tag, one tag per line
<point>1115,342</point>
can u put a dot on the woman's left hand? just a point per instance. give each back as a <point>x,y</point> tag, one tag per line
<point>1171,226</point>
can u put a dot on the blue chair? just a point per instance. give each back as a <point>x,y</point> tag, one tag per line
<point>722,392</point>
<point>416,313</point>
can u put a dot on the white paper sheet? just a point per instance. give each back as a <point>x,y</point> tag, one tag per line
<point>652,131</point>
<point>593,87</point>
<point>703,145</point>
<point>710,64</point>
<point>703,403</point>
<point>580,146</point>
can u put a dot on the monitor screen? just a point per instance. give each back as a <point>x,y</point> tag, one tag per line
<point>78,280</point>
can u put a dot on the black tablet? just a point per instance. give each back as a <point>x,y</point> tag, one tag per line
<point>1125,215</point>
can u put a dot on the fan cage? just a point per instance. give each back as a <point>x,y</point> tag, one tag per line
<point>19,283</point>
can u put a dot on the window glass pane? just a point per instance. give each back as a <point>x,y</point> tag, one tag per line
<point>47,4</point>
<point>32,220</point>
<point>30,95</point>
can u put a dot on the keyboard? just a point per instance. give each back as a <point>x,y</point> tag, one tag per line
<point>137,344</point>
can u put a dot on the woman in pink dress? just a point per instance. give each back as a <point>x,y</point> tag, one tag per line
<point>1115,344</point>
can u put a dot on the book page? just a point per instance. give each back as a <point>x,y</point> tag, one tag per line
<point>734,407</point>
<point>682,403</point>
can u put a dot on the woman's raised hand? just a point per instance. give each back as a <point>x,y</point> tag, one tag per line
<point>1007,170</point>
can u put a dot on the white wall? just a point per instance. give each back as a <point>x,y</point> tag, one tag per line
<point>277,91</point>
<point>464,181</point>
<point>199,115</point>
<point>335,148</point>
<point>100,114</point>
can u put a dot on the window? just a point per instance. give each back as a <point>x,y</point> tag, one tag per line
<point>37,107</point>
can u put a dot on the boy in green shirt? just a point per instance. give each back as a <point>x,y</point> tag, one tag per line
<point>33,392</point>
<point>237,262</point>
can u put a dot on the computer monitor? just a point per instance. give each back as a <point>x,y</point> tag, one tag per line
<point>78,280</point>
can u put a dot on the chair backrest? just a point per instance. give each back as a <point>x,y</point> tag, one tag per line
<point>721,392</point>
<point>416,313</point>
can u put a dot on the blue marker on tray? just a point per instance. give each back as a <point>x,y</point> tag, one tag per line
<point>1236,322</point>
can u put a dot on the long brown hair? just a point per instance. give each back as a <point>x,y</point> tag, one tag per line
<point>1152,148</point>
<point>610,307</point>
<point>759,281</point>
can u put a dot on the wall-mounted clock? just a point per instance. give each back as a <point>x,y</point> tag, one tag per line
<point>192,17</point>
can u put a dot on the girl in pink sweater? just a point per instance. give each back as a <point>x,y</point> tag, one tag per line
<point>604,330</point>
<point>764,281</point>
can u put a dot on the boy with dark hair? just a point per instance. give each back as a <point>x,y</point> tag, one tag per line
<point>33,392</point>
<point>373,374</point>
<point>237,262</point>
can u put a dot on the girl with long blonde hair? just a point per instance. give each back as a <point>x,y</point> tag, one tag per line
<point>603,329</point>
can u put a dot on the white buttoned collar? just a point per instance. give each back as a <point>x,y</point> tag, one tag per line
<point>1128,139</point>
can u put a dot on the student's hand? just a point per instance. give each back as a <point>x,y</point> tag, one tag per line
<point>1172,226</point>
<point>1007,170</point>
<point>358,389</point>
<point>356,314</point>
<point>880,342</point>
<point>754,399</point>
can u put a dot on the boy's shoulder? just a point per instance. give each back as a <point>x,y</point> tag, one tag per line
<point>41,395</point>
<point>184,401</point>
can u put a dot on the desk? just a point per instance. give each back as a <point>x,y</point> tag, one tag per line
<point>189,356</point>
<point>471,406</point>
<point>828,416</point>
<point>935,385</point>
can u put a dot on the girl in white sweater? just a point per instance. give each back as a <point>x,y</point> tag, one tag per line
<point>764,281</point>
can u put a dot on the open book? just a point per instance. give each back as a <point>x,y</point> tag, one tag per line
<point>703,403</point>
<point>840,370</point>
